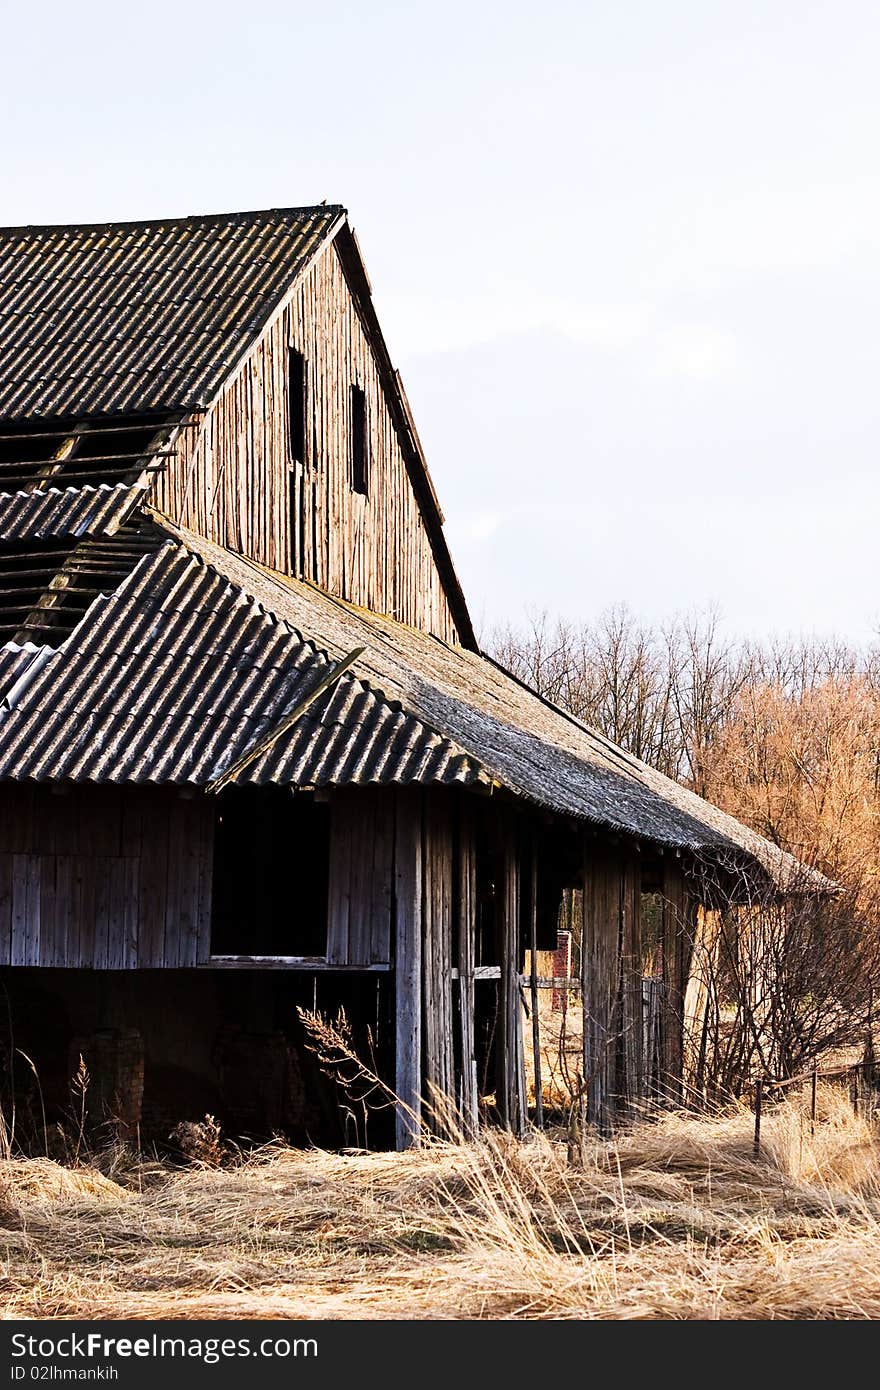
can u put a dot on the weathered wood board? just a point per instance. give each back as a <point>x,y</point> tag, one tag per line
<point>236,482</point>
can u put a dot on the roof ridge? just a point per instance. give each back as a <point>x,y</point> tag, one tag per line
<point>206,285</point>
<point>194,218</point>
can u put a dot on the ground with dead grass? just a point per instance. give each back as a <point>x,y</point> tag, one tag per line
<point>674,1220</point>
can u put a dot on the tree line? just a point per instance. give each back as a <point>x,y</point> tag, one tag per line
<point>784,735</point>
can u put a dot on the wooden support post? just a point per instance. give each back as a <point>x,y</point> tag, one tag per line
<point>759,1098</point>
<point>855,1090</point>
<point>533,946</point>
<point>510,1081</point>
<point>408,964</point>
<point>632,1083</point>
<point>600,966</point>
<point>438,887</point>
<point>467,926</point>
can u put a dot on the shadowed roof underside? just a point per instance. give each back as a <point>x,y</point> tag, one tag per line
<point>136,317</point>
<point>199,654</point>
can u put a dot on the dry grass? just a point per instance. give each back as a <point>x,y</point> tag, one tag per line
<point>676,1220</point>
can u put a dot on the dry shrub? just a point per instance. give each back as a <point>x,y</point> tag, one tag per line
<point>199,1142</point>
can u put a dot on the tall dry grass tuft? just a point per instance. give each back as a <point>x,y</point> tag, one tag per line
<point>676,1219</point>
<point>839,1154</point>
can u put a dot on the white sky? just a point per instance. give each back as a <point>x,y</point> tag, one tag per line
<point>625,253</point>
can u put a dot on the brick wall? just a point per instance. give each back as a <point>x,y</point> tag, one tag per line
<point>109,1093</point>
<point>561,959</point>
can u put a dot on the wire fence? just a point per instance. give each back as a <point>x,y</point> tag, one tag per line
<point>863,1079</point>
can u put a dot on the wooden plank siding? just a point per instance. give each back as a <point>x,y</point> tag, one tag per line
<point>678,926</point>
<point>361,882</point>
<point>402,890</point>
<point>407,902</point>
<point>633,1028</point>
<point>510,1082</point>
<point>631,1077</point>
<point>104,878</point>
<point>133,887</point>
<point>438,891</point>
<point>600,967</point>
<point>234,481</point>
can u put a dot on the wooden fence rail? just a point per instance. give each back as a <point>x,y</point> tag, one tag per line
<point>765,1084</point>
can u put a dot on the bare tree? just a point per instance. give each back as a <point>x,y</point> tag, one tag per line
<point>774,983</point>
<point>785,735</point>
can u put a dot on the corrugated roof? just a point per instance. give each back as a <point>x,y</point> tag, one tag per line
<point>15,658</point>
<point>46,586</point>
<point>200,653</point>
<point>141,316</point>
<point>179,673</point>
<point>72,511</point>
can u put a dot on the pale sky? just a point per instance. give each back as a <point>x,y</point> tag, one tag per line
<point>625,255</point>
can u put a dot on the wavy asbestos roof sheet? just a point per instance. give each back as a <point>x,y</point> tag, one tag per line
<point>15,659</point>
<point>200,653</point>
<point>54,513</point>
<point>177,674</point>
<point>141,316</point>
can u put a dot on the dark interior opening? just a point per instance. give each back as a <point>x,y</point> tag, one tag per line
<point>560,866</point>
<point>360,464</point>
<point>271,873</point>
<point>296,405</point>
<point>46,586</point>
<point>226,1042</point>
<point>652,917</point>
<point>486,953</point>
<point>80,453</point>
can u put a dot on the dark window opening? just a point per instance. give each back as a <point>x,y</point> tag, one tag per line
<point>485,944</point>
<point>560,869</point>
<point>652,934</point>
<point>360,463</point>
<point>296,405</point>
<point>653,917</point>
<point>271,874</point>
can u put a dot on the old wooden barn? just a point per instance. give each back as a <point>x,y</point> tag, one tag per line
<point>251,757</point>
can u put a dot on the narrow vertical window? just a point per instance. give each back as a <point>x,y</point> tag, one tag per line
<point>296,405</point>
<point>360,463</point>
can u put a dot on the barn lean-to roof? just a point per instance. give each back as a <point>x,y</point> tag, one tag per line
<point>200,653</point>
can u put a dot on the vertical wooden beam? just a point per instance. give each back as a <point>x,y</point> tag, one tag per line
<point>467,927</point>
<point>533,946</point>
<point>632,1083</point>
<point>600,960</point>
<point>408,964</point>
<point>437,884</point>
<point>511,1082</point>
<point>339,903</point>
